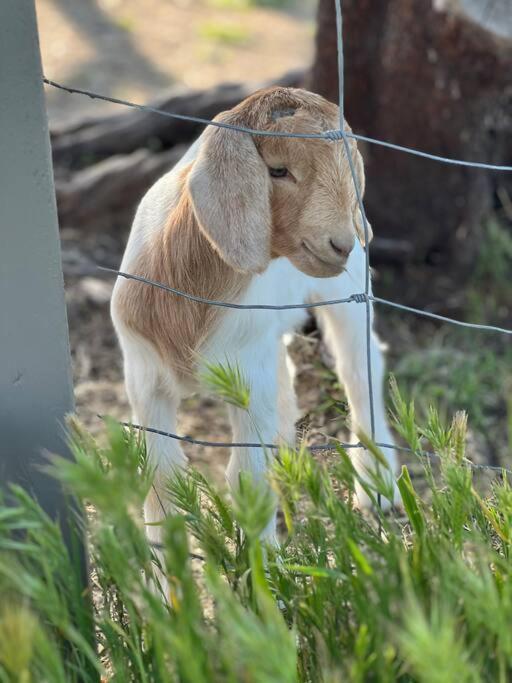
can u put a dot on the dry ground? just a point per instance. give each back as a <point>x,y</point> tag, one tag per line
<point>133,49</point>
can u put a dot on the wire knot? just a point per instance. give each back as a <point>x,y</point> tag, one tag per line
<point>359,298</point>
<point>334,135</point>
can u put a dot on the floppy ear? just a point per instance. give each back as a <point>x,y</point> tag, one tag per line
<point>230,187</point>
<point>358,219</point>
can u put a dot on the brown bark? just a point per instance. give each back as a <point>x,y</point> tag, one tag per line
<point>430,80</point>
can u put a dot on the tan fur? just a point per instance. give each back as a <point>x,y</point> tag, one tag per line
<point>180,257</point>
<point>232,218</point>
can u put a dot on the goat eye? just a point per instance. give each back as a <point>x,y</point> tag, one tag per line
<point>278,172</point>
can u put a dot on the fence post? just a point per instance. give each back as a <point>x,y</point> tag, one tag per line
<point>35,369</point>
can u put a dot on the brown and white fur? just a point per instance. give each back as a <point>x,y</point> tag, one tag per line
<point>220,226</point>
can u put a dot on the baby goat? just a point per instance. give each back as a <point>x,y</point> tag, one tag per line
<point>247,219</point>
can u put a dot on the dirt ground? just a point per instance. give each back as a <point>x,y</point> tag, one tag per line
<point>133,50</point>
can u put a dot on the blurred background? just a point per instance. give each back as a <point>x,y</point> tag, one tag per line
<point>134,49</point>
<point>435,75</point>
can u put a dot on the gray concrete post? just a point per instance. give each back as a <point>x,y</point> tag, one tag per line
<point>35,370</point>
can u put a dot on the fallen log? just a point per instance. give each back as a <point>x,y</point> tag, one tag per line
<point>96,138</point>
<point>104,196</point>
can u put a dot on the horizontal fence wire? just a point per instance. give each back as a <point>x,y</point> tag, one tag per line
<point>332,135</point>
<point>420,452</point>
<point>366,297</point>
<point>359,298</point>
<point>442,318</point>
<point>227,304</point>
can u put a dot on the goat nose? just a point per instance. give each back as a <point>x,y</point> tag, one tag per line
<point>341,249</point>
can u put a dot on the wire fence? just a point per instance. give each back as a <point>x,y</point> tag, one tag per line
<point>332,135</point>
<point>420,452</point>
<point>366,298</point>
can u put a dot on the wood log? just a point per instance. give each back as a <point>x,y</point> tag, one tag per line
<point>391,252</point>
<point>105,195</point>
<point>96,138</point>
<point>104,164</point>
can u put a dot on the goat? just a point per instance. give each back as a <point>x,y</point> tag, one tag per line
<point>247,219</point>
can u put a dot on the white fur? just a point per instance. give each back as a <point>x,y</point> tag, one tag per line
<point>253,340</point>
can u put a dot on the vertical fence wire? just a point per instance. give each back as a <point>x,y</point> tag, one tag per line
<point>341,86</point>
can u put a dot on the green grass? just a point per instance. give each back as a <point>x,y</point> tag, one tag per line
<point>224,33</point>
<point>247,4</point>
<point>347,597</point>
<point>488,298</point>
<point>226,381</point>
<point>125,23</point>
<point>458,369</point>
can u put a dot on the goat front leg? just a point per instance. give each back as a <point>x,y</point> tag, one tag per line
<point>258,424</point>
<point>155,404</point>
<point>287,407</point>
<point>344,329</point>
<point>165,458</point>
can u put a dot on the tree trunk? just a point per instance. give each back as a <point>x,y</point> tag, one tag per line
<point>432,80</point>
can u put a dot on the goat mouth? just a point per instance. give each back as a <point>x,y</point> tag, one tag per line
<point>310,251</point>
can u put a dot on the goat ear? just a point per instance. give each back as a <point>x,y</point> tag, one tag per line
<point>358,219</point>
<point>230,188</point>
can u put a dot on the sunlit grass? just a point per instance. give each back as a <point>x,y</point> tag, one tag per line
<point>226,381</point>
<point>247,4</point>
<point>225,33</point>
<point>347,597</point>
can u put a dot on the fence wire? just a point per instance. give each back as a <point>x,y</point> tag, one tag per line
<point>357,298</point>
<point>332,135</point>
<point>334,443</point>
<point>340,135</point>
